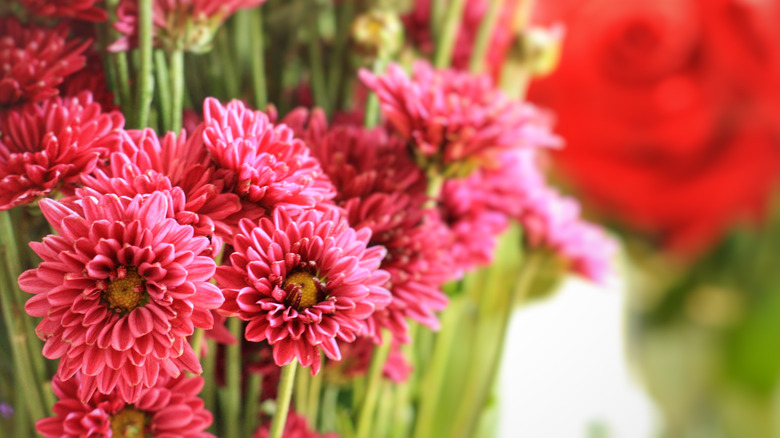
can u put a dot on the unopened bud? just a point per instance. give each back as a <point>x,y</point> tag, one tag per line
<point>540,49</point>
<point>378,34</point>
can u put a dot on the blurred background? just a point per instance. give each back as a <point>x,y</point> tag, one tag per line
<point>670,111</point>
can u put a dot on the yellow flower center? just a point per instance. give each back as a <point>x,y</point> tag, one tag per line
<point>303,296</point>
<point>126,292</point>
<point>128,423</point>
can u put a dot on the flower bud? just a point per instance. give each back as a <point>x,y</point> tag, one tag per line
<point>377,34</point>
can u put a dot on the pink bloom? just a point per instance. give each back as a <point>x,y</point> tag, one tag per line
<point>120,288</point>
<point>380,188</point>
<point>553,221</point>
<point>91,78</point>
<point>187,24</point>
<point>455,118</point>
<point>170,408</point>
<point>46,147</point>
<point>262,163</point>
<point>78,9</point>
<point>295,427</point>
<point>34,61</point>
<point>303,283</point>
<point>141,163</point>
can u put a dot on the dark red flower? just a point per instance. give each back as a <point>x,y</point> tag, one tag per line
<point>78,9</point>
<point>35,60</point>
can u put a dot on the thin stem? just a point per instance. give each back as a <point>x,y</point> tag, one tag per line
<point>313,405</point>
<point>118,62</point>
<point>197,341</point>
<point>163,80</point>
<point>346,11</point>
<point>258,58</point>
<point>476,393</point>
<point>252,402</point>
<point>445,41</point>
<point>302,390</point>
<point>230,75</point>
<point>330,399</point>
<point>384,410</point>
<point>482,42</point>
<point>374,385</point>
<point>209,388</point>
<point>437,11</point>
<point>283,399</point>
<point>231,402</point>
<point>371,116</point>
<point>431,386</point>
<point>176,58</point>
<point>145,78</point>
<point>318,83</point>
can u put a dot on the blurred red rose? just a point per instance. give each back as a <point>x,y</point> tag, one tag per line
<point>669,110</point>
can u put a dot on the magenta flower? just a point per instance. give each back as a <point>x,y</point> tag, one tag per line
<point>380,188</point>
<point>47,147</point>
<point>120,288</point>
<point>178,24</point>
<point>454,118</point>
<point>295,427</point>
<point>262,163</point>
<point>79,9</point>
<point>34,60</point>
<point>170,408</point>
<point>141,163</point>
<point>302,283</point>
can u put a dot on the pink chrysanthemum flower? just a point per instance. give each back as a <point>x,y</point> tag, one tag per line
<point>382,189</point>
<point>142,163</point>
<point>46,147</point>
<point>553,222</point>
<point>178,24</point>
<point>262,163</point>
<point>78,9</point>
<point>303,283</point>
<point>170,408</point>
<point>120,288</point>
<point>295,427</point>
<point>34,60</point>
<point>455,118</point>
<point>91,78</point>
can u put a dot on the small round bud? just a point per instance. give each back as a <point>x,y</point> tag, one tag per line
<point>378,34</point>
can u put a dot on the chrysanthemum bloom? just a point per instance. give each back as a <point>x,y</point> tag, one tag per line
<point>295,427</point>
<point>553,221</point>
<point>142,163</point>
<point>78,9</point>
<point>170,408</point>
<point>178,24</point>
<point>380,188</point>
<point>262,163</point>
<point>46,147</point>
<point>91,78</point>
<point>120,288</point>
<point>34,60</point>
<point>455,120</point>
<point>303,283</point>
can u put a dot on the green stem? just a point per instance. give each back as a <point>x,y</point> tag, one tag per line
<point>445,41</point>
<point>163,81</point>
<point>302,390</point>
<point>118,62</point>
<point>313,405</point>
<point>476,392</point>
<point>330,399</point>
<point>283,399</point>
<point>371,116</point>
<point>230,75</point>
<point>197,341</point>
<point>145,78</point>
<point>231,402</point>
<point>366,416</point>
<point>318,83</point>
<point>482,41</point>
<point>252,402</point>
<point>433,382</point>
<point>258,58</point>
<point>384,410</point>
<point>437,11</point>
<point>346,11</point>
<point>209,388</point>
<point>177,89</point>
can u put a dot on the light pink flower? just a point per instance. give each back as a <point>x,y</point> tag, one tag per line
<point>178,24</point>
<point>120,288</point>
<point>295,427</point>
<point>303,283</point>
<point>553,221</point>
<point>170,408</point>
<point>34,60</point>
<point>78,9</point>
<point>454,118</point>
<point>47,147</point>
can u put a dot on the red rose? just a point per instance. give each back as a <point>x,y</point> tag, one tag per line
<point>667,109</point>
